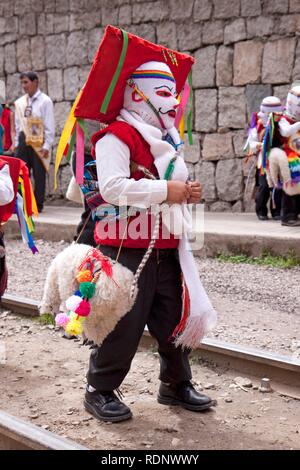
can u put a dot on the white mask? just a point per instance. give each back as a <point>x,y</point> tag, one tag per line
<point>160,88</point>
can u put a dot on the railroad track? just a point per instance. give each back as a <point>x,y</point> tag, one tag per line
<point>281,369</point>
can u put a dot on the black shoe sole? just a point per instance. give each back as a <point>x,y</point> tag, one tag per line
<point>175,402</point>
<point>112,419</point>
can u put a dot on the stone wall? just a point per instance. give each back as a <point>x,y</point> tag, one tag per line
<point>245,50</point>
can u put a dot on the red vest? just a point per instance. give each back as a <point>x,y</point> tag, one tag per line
<point>140,154</point>
<point>5,121</point>
<point>16,168</point>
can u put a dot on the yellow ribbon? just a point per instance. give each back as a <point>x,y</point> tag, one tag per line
<point>65,137</point>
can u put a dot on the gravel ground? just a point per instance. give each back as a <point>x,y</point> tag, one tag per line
<point>42,380</point>
<point>257,305</point>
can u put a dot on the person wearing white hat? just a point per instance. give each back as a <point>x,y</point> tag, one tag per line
<point>284,162</point>
<point>259,122</point>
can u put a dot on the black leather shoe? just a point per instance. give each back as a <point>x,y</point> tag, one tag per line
<point>184,394</point>
<point>291,223</point>
<point>262,217</point>
<point>106,406</point>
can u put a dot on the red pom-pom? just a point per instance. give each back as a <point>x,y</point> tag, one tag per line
<point>83,309</point>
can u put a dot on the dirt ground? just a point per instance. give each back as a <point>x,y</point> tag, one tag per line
<point>43,380</point>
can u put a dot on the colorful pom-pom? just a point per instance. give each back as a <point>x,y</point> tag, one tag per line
<point>73,302</point>
<point>74,327</point>
<point>61,319</point>
<point>83,308</point>
<point>84,276</point>
<point>87,290</point>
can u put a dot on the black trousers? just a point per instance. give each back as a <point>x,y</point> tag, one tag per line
<point>263,195</point>
<point>158,306</point>
<point>35,166</point>
<point>290,207</point>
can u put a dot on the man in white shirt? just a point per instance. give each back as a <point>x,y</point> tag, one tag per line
<point>35,129</point>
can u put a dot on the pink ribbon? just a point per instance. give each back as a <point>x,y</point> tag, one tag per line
<point>79,154</point>
<point>183,102</point>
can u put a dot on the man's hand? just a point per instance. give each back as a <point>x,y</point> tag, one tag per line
<point>196,192</point>
<point>178,192</point>
<point>44,153</point>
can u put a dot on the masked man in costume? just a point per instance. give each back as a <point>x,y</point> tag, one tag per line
<point>284,163</point>
<point>133,87</point>
<point>254,145</point>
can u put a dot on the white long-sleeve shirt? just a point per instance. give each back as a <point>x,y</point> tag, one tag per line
<point>286,129</point>
<point>42,107</point>
<point>6,186</point>
<point>115,184</point>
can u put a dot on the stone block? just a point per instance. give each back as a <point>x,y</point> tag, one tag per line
<point>109,12</point>
<point>189,38</point>
<point>55,50</point>
<point>10,58</point>
<point>294,6</point>
<point>204,70</point>
<point>77,48</point>
<point>217,147</point>
<point>149,11</point>
<point>224,67</point>
<point>192,153</point>
<point>278,60</point>
<point>61,6</point>
<point>239,139</point>
<point>220,206</point>
<point>202,10</point>
<point>71,83</point>
<point>232,107</point>
<point>260,26</point>
<point>252,8</point>
<point>281,92</point>
<point>229,180</point>
<point>23,55</point>
<point>275,6</point>
<point>145,31</point>
<point>238,206</point>
<point>206,178</point>
<point>13,87</point>
<point>125,15</point>
<point>226,8</point>
<point>167,34</point>
<point>296,71</point>
<point>94,39</point>
<point>247,62</point>
<point>213,32</point>
<point>61,112</point>
<point>61,23</point>
<point>179,11</point>
<point>43,82</point>
<point>45,24</point>
<point>8,38</point>
<point>11,24</point>
<point>1,60</point>
<point>206,110</point>
<point>254,96</point>
<point>27,25</point>
<point>235,31</point>
<point>49,6</point>
<point>85,21</point>
<point>38,53</point>
<point>288,24</point>
<point>55,84</point>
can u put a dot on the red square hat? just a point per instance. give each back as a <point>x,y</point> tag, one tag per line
<point>119,55</point>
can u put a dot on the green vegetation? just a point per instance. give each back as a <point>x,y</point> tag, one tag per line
<point>266,259</point>
<point>45,319</point>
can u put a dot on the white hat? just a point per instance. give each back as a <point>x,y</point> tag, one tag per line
<point>271,104</point>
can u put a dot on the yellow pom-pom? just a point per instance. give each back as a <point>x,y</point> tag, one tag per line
<point>73,316</point>
<point>74,327</point>
<point>84,276</point>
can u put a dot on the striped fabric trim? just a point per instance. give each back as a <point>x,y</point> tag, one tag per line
<point>153,74</point>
